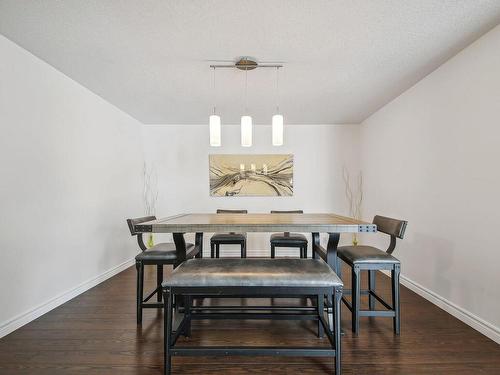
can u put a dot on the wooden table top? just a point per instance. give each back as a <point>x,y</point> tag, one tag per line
<point>190,223</point>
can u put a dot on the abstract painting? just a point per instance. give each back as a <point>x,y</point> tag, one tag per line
<point>251,175</point>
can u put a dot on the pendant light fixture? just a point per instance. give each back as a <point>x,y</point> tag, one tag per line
<point>277,121</point>
<point>214,122</point>
<point>246,64</point>
<point>246,120</point>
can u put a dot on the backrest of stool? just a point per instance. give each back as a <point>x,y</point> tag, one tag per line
<point>131,226</point>
<point>219,211</point>
<point>393,227</point>
<point>287,212</point>
<point>138,220</point>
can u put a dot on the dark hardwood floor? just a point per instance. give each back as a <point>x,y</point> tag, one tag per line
<point>96,333</point>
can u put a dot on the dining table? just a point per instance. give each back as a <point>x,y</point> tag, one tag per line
<point>314,223</point>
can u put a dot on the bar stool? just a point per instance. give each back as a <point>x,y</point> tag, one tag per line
<point>159,255</point>
<point>369,258</point>
<point>288,239</point>
<point>228,238</point>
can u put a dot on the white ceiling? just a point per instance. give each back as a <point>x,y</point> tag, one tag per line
<point>343,59</point>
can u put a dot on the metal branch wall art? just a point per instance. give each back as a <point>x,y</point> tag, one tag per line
<point>251,175</point>
<point>150,193</point>
<point>150,196</point>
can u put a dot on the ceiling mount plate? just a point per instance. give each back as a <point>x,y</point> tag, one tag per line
<point>245,63</point>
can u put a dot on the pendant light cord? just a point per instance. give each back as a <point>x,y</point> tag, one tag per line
<point>213,88</point>
<point>246,88</point>
<point>277,91</point>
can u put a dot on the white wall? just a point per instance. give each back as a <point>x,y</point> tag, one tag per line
<point>70,173</point>
<point>431,157</point>
<point>180,156</point>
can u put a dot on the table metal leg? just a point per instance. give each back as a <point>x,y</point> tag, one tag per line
<point>180,247</point>
<point>199,243</point>
<point>331,251</point>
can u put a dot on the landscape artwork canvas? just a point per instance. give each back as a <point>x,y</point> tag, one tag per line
<point>251,175</point>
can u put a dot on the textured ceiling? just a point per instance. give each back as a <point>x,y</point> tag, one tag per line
<point>343,59</point>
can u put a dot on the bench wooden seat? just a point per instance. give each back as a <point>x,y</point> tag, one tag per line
<point>253,273</point>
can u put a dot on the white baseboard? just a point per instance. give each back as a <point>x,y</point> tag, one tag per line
<point>487,329</point>
<point>24,318</point>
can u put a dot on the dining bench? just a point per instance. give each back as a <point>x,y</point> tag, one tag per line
<point>276,278</point>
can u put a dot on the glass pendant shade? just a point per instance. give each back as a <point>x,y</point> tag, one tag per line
<point>278,130</point>
<point>246,131</point>
<point>215,131</point>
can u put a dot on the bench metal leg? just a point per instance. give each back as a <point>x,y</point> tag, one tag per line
<point>337,333</point>
<point>167,332</point>
<point>371,287</point>
<point>187,315</point>
<point>140,285</point>
<point>159,280</point>
<point>395,298</point>
<point>356,291</point>
<point>217,250</point>
<point>212,250</point>
<point>273,251</point>
<point>330,308</point>
<point>321,308</point>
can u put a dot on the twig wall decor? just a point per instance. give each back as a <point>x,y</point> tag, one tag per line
<point>354,198</point>
<point>150,193</point>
